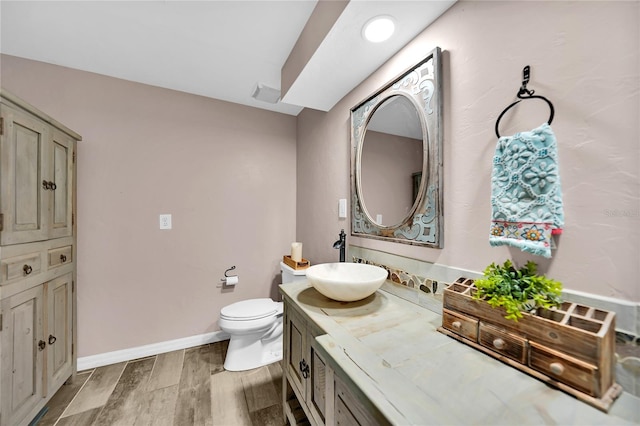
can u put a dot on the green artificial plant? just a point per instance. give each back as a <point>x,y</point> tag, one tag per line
<point>517,289</point>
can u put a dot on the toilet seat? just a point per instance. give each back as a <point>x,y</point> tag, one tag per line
<point>248,310</point>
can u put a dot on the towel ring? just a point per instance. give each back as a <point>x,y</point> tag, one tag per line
<point>552,112</point>
<point>525,93</point>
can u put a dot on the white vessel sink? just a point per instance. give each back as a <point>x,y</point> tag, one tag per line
<point>346,282</point>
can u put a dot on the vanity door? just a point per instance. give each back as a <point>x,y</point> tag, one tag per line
<point>317,385</point>
<point>305,368</point>
<point>296,361</point>
<point>351,408</point>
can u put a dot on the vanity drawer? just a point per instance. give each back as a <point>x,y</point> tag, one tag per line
<point>60,256</point>
<point>572,371</point>
<point>15,268</point>
<point>460,324</point>
<point>503,342</point>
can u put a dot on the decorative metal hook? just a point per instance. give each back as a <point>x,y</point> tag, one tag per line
<point>526,73</point>
<point>230,269</point>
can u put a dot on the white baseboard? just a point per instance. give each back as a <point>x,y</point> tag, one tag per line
<point>99,360</point>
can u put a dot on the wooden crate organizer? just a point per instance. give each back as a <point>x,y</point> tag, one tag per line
<point>571,347</point>
<point>302,264</point>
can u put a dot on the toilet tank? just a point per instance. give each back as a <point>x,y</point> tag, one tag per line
<point>290,275</point>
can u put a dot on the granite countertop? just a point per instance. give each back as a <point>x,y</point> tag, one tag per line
<point>391,350</point>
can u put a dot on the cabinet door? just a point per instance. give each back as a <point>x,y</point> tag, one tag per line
<point>62,175</point>
<point>24,162</point>
<point>317,385</point>
<point>296,361</point>
<point>22,355</point>
<point>58,332</point>
<point>353,409</point>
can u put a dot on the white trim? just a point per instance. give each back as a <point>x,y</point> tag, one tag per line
<point>99,360</point>
<point>604,299</point>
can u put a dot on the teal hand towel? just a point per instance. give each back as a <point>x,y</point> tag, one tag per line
<point>526,198</point>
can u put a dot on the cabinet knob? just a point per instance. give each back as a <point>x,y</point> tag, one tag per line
<point>304,368</point>
<point>27,269</point>
<point>499,343</point>
<point>63,258</point>
<point>457,325</point>
<point>556,368</point>
<point>49,185</point>
<point>52,339</point>
<point>42,344</point>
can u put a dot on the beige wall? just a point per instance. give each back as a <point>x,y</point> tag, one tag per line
<point>584,57</point>
<point>225,172</point>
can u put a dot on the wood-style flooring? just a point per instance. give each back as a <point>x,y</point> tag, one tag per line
<point>181,388</point>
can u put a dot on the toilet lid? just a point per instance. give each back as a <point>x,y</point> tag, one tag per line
<point>249,309</point>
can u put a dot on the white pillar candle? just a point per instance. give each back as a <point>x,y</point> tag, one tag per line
<point>296,252</point>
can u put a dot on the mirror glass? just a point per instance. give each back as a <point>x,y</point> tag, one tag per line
<point>391,162</point>
<point>396,167</point>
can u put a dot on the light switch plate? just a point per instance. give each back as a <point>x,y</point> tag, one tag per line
<point>165,221</point>
<point>342,208</point>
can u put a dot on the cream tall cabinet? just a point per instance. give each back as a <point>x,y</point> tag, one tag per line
<point>37,258</point>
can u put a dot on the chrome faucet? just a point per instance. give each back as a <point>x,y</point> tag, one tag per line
<point>340,244</point>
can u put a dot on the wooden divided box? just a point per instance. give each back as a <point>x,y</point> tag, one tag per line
<point>301,264</point>
<point>571,347</point>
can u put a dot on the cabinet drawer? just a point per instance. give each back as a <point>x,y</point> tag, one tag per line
<point>15,268</point>
<point>60,256</point>
<point>503,342</point>
<point>460,324</point>
<point>571,371</point>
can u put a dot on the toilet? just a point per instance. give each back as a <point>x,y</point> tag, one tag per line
<point>255,327</point>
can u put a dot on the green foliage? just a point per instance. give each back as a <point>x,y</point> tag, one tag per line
<point>517,289</point>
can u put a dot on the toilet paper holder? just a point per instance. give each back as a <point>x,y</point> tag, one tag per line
<point>226,275</point>
<point>229,281</point>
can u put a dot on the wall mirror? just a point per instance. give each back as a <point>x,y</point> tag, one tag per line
<point>396,166</point>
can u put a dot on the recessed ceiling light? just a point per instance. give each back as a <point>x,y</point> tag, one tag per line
<point>378,29</point>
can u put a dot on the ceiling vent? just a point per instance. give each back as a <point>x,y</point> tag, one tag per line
<point>266,94</point>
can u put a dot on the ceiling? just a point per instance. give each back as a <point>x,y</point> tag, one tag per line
<point>217,49</point>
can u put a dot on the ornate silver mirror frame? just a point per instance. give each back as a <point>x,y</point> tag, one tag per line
<point>423,225</point>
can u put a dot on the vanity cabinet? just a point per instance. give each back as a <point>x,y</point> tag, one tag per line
<point>37,259</point>
<point>384,362</point>
<point>314,392</point>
